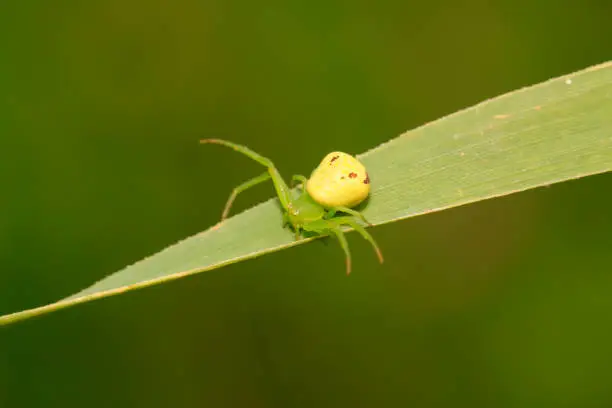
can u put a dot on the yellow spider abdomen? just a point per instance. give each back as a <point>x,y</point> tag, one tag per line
<point>339,181</point>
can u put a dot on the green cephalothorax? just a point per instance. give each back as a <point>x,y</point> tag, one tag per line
<point>339,183</point>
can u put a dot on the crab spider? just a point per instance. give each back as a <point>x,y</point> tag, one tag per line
<point>339,183</point>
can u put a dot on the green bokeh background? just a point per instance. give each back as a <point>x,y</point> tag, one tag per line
<point>505,303</point>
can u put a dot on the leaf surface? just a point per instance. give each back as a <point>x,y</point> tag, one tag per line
<point>554,131</point>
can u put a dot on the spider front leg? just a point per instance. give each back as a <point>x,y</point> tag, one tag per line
<point>283,191</point>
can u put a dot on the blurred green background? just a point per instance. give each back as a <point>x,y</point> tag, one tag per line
<point>505,303</point>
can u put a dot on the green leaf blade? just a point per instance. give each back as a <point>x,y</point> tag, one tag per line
<point>554,131</point>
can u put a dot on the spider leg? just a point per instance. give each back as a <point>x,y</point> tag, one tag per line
<point>299,179</point>
<point>332,211</point>
<point>244,186</point>
<point>351,222</point>
<point>366,235</point>
<point>347,252</point>
<point>283,191</point>
<point>329,227</point>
